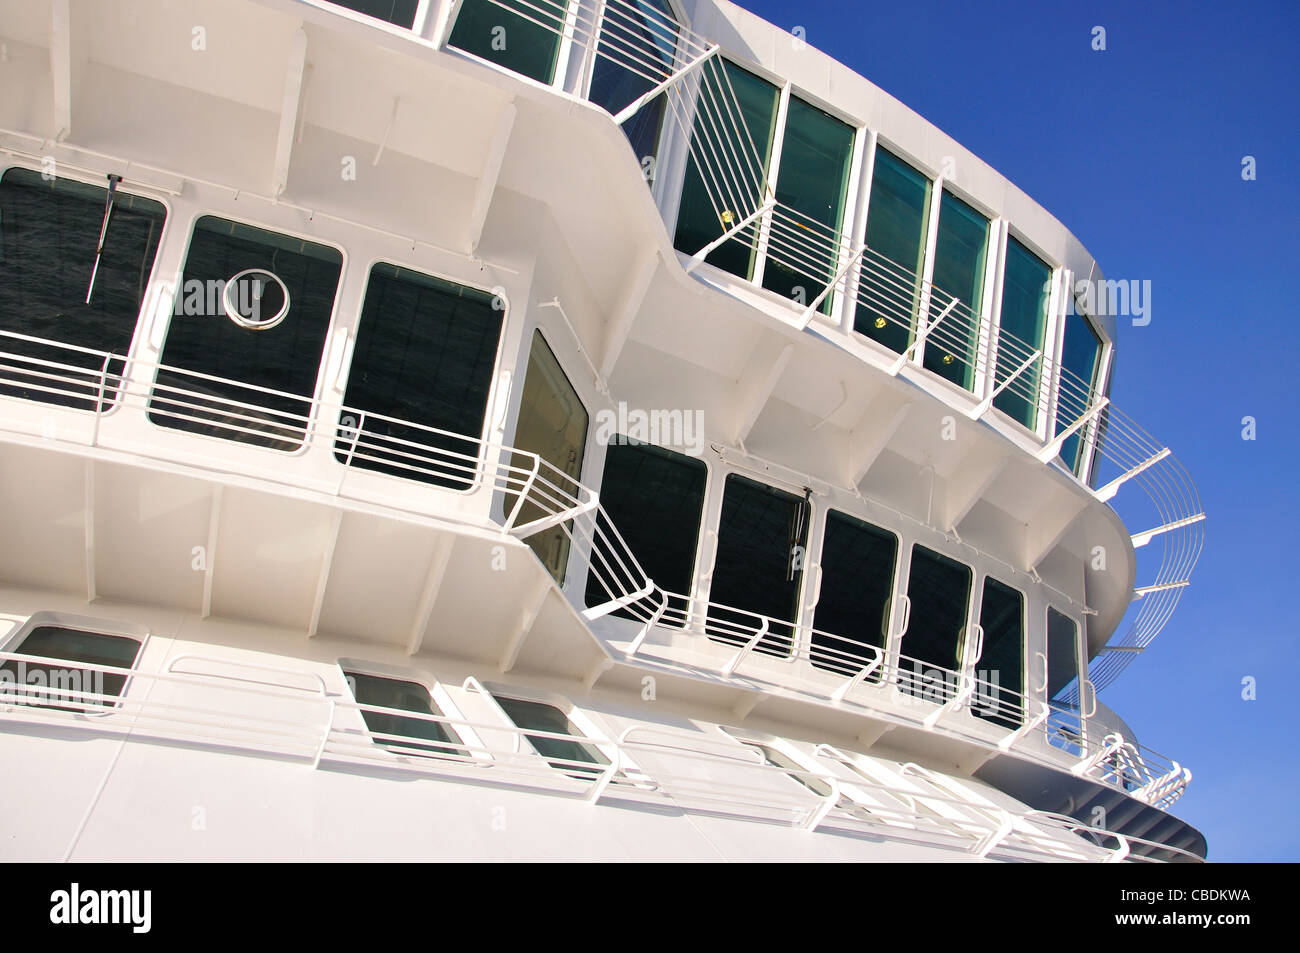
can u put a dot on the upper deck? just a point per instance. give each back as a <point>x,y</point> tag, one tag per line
<point>920,395</point>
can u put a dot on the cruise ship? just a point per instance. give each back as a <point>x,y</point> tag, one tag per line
<point>517,430</point>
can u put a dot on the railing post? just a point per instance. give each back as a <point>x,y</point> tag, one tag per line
<point>757,637</point>
<point>523,494</point>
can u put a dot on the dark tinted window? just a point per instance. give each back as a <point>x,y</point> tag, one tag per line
<point>73,645</point>
<point>1081,366</point>
<point>762,541</point>
<point>897,221</point>
<point>521,35</point>
<point>424,356</point>
<point>1062,653</point>
<point>537,716</point>
<point>857,582</point>
<point>638,45</point>
<point>49,234</point>
<point>654,497</point>
<point>958,273</point>
<point>204,342</point>
<point>400,12</point>
<point>939,589</point>
<point>1025,298</point>
<point>1000,669</point>
<point>404,696</point>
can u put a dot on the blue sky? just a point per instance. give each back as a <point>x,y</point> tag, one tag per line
<point>1138,150</point>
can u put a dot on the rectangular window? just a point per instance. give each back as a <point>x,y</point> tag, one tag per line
<point>813,182</point>
<point>57,683</point>
<point>250,379</point>
<point>1026,293</point>
<point>897,223</point>
<point>553,425</point>
<point>1062,653</point>
<point>637,50</point>
<point>49,239</point>
<point>959,257</point>
<point>521,35</point>
<point>421,372</point>
<point>1001,667</point>
<point>399,12</point>
<point>762,538</point>
<point>720,185</point>
<point>403,696</point>
<point>538,716</point>
<point>939,589</point>
<point>1080,369</point>
<point>857,582</point>
<point>655,498</point>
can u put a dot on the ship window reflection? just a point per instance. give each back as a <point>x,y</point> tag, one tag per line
<point>401,695</point>
<point>958,273</point>
<point>897,221</point>
<point>857,580</point>
<point>655,499</point>
<point>521,35</point>
<point>49,237</point>
<point>553,425</point>
<point>939,589</point>
<point>1062,653</point>
<point>228,380</point>
<point>1080,368</point>
<point>421,371</point>
<point>1024,317</point>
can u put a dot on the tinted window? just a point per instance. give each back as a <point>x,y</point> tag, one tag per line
<point>655,498</point>
<point>49,235</point>
<point>73,645</point>
<point>857,582</point>
<point>1062,653</point>
<point>1000,669</point>
<point>897,222</point>
<point>553,425</point>
<point>272,368</point>
<point>537,716</point>
<point>958,273</point>
<point>1025,298</point>
<point>521,35</point>
<point>813,182</point>
<point>1081,365</point>
<point>762,538</point>
<point>423,362</point>
<point>404,696</point>
<point>718,148</point>
<point>638,46</point>
<point>939,589</point>
<point>400,12</point>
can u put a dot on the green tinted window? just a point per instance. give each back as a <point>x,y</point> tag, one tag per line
<point>49,236</point>
<point>521,35</point>
<point>762,537</point>
<point>403,696</point>
<point>717,145</point>
<point>897,222</point>
<point>813,181</point>
<point>537,716</point>
<point>399,12</point>
<point>939,589</point>
<point>1000,671</point>
<point>1025,297</point>
<point>857,581</point>
<point>424,356</point>
<point>655,499</point>
<point>60,683</point>
<point>637,45</point>
<point>959,257</point>
<point>1081,365</point>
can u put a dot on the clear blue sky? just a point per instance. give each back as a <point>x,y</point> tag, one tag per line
<point>1138,151</point>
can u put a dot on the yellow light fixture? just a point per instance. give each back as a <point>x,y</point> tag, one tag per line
<point>880,322</point>
<point>947,358</point>
<point>726,217</point>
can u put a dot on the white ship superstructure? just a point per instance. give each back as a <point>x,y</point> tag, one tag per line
<point>549,429</point>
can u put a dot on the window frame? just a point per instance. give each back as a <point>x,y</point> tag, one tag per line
<point>93,625</point>
<point>578,718</point>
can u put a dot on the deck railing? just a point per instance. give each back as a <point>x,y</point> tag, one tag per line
<point>281,711</point>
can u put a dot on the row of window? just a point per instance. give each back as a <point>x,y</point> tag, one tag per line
<point>763,534</point>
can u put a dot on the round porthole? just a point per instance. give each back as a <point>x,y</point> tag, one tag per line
<point>256,299</point>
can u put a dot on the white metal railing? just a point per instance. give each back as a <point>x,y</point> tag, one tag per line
<point>702,106</point>
<point>231,710</point>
